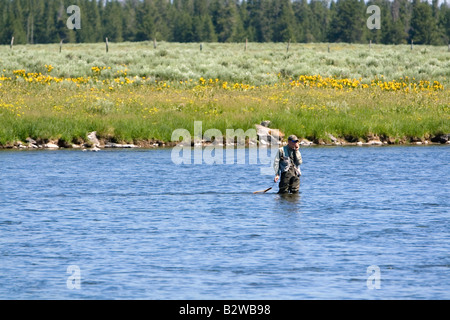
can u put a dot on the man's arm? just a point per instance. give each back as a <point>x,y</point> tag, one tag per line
<point>299,158</point>
<point>276,166</point>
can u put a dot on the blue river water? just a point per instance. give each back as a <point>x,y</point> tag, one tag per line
<point>369,223</point>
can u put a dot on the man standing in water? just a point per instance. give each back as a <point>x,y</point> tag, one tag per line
<point>287,166</point>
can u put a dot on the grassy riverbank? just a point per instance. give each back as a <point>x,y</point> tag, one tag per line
<point>136,93</point>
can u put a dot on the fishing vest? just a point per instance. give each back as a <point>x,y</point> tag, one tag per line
<point>285,160</point>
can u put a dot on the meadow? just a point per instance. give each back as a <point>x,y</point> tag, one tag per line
<point>136,93</point>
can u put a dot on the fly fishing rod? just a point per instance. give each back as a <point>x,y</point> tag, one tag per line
<point>265,190</point>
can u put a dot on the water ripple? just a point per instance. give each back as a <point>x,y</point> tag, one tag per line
<point>139,229</point>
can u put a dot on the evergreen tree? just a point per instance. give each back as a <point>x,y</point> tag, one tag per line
<point>348,21</point>
<point>284,28</point>
<point>202,26</point>
<point>61,30</point>
<point>260,19</point>
<point>245,18</point>
<point>239,33</point>
<point>423,26</point>
<point>44,21</point>
<point>130,8</point>
<point>318,22</point>
<point>399,27</point>
<point>112,21</point>
<point>162,29</point>
<point>226,20</point>
<point>91,23</point>
<point>39,22</point>
<point>3,21</point>
<point>386,32</point>
<point>183,30</point>
<point>16,22</point>
<point>444,22</point>
<point>209,34</point>
<point>144,20</point>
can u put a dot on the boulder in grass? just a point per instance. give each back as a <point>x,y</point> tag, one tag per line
<point>93,140</point>
<point>30,141</point>
<point>306,143</point>
<point>51,146</point>
<point>374,143</point>
<point>443,138</point>
<point>268,136</point>
<point>332,138</point>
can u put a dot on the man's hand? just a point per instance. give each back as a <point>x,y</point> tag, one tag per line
<point>277,177</point>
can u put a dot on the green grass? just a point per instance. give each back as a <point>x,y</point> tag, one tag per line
<point>172,94</point>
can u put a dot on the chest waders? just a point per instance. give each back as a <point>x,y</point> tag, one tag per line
<point>289,180</point>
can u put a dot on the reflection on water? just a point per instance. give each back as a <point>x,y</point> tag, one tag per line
<point>288,203</point>
<point>138,226</point>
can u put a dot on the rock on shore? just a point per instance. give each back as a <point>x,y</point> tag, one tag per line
<point>266,136</point>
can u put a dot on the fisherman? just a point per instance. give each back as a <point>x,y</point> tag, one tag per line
<point>287,167</point>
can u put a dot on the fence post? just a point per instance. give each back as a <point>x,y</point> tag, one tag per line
<point>370,44</point>
<point>107,49</point>
<point>287,48</point>
<point>412,43</point>
<point>154,43</point>
<point>12,43</point>
<point>60,45</point>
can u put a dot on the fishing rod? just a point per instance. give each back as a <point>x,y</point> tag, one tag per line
<point>265,190</point>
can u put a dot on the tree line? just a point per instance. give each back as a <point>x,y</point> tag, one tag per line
<point>401,21</point>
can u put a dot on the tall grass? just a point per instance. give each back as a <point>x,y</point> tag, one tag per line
<point>137,93</point>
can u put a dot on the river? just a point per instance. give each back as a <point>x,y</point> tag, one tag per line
<point>369,223</point>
